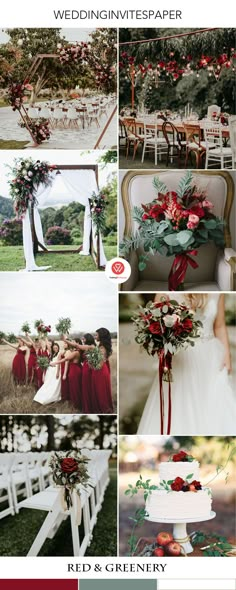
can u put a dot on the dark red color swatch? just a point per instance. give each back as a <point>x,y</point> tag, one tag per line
<point>39,584</point>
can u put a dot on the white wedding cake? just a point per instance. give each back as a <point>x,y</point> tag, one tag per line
<point>180,493</point>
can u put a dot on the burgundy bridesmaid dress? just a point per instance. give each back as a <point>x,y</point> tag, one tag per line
<point>39,371</point>
<point>19,367</point>
<point>75,384</point>
<point>64,383</point>
<point>101,398</point>
<point>86,389</point>
<point>32,361</point>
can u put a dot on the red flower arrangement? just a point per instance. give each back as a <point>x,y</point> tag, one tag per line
<point>16,94</point>
<point>164,328</point>
<point>26,177</point>
<point>97,208</point>
<point>39,129</point>
<point>182,456</point>
<point>181,485</point>
<point>69,471</point>
<point>175,224</point>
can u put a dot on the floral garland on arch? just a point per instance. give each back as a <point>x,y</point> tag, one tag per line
<point>97,209</point>
<point>39,128</point>
<point>175,68</point>
<point>17,94</point>
<point>27,175</point>
<point>175,224</point>
<point>164,328</point>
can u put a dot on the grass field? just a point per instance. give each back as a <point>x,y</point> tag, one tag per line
<point>12,259</point>
<point>19,399</point>
<point>11,144</point>
<point>18,532</point>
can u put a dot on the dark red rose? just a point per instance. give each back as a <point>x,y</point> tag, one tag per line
<point>197,210</point>
<point>69,465</point>
<point>187,325</point>
<point>145,216</point>
<point>179,456</point>
<point>196,484</point>
<point>177,484</point>
<point>155,328</point>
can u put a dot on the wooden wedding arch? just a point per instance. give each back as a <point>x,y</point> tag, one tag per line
<point>40,248</point>
<point>23,113</point>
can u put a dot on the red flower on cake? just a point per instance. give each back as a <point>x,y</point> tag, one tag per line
<point>179,456</point>
<point>177,484</point>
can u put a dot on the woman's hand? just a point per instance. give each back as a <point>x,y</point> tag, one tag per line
<point>228,363</point>
<point>53,365</point>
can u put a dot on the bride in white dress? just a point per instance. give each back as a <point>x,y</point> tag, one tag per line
<point>203,400</point>
<point>51,389</point>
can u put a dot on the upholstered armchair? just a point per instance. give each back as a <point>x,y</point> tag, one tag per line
<point>217,268</point>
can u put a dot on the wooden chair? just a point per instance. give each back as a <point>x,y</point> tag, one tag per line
<point>194,143</point>
<point>175,146</point>
<point>134,137</point>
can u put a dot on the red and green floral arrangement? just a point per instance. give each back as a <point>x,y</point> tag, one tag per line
<point>175,223</point>
<point>38,127</point>
<point>97,209</point>
<point>17,94</point>
<point>70,471</point>
<point>164,328</point>
<point>181,456</point>
<point>27,175</point>
<point>42,329</point>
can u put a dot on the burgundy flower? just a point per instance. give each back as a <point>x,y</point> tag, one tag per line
<point>69,465</point>
<point>177,484</point>
<point>179,456</point>
<point>155,328</point>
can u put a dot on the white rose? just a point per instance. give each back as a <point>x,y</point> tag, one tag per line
<point>30,174</point>
<point>169,321</point>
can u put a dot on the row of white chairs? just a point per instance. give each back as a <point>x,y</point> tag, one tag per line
<point>72,115</point>
<point>28,476</point>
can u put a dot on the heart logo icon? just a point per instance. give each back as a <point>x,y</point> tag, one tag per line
<point>117,268</point>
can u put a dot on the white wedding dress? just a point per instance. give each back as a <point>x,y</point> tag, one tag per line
<point>203,400</point>
<point>51,389</point>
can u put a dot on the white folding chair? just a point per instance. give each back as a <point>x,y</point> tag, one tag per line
<point>19,479</point>
<point>152,140</point>
<point>6,461</point>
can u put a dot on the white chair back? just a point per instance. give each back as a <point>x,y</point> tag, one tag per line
<point>213,108</point>
<point>232,135</point>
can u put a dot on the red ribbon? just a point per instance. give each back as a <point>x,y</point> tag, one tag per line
<point>179,269</point>
<point>165,364</point>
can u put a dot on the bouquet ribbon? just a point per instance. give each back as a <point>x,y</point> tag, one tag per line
<point>165,365</point>
<point>179,269</point>
<point>70,500</point>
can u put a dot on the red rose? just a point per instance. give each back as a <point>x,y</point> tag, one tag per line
<point>197,210</point>
<point>177,484</point>
<point>155,328</point>
<point>69,465</point>
<point>145,216</point>
<point>197,484</point>
<point>179,456</point>
<point>187,325</point>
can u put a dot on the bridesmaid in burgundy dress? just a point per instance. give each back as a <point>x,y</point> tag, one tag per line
<point>33,346</point>
<point>18,363</point>
<point>42,351</point>
<point>100,399</point>
<point>73,369</point>
<point>88,340</point>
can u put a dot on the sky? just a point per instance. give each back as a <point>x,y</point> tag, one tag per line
<point>54,157</point>
<point>88,299</point>
<point>69,34</point>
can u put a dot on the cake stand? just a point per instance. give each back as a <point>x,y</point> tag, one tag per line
<point>180,528</point>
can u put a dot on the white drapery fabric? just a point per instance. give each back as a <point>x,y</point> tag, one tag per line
<point>79,185</point>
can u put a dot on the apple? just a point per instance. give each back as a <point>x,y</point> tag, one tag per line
<point>173,548</point>
<point>158,552</point>
<point>164,538</point>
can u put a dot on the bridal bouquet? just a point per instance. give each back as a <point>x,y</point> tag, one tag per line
<point>42,329</point>
<point>175,223</point>
<point>164,328</point>
<point>69,470</point>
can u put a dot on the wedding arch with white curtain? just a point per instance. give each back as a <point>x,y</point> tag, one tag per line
<point>80,182</point>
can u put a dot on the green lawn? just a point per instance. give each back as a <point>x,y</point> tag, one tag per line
<point>18,532</point>
<point>11,144</point>
<point>12,259</point>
